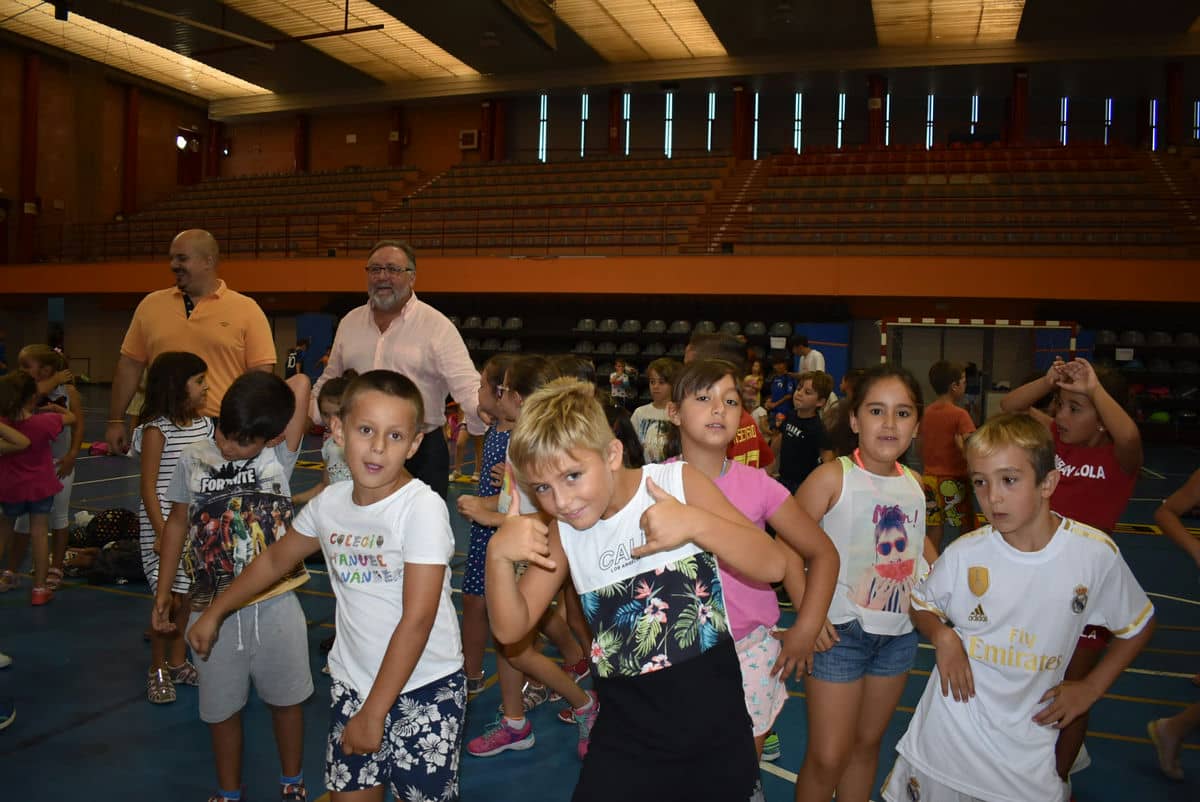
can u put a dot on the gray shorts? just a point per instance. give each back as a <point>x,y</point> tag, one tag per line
<point>265,642</point>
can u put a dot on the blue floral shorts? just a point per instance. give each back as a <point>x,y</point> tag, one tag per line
<point>422,740</point>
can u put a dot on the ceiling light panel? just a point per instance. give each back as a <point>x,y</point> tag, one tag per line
<point>641,30</point>
<point>98,42</point>
<point>925,22</point>
<point>396,53</point>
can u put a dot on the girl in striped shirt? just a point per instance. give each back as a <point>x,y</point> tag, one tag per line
<point>176,389</point>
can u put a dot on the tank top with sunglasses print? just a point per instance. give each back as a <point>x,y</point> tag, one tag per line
<point>878,526</point>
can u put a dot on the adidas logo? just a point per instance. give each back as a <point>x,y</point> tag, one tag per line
<point>978,616</point>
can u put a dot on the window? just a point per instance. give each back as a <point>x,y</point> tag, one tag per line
<point>583,118</point>
<point>841,118</point>
<point>798,124</point>
<point>712,118</point>
<point>625,116</point>
<point>668,122</point>
<point>887,119</point>
<point>1062,121</point>
<point>1107,118</point>
<point>754,153</point>
<point>974,113</point>
<point>929,121</point>
<point>543,124</point>
<point>1153,124</point>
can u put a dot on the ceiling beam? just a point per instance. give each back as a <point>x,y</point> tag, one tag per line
<point>723,67</point>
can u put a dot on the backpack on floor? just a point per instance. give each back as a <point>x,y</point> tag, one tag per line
<point>115,523</point>
<point>118,562</point>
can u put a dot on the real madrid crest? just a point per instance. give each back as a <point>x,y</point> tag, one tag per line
<point>977,579</point>
<point>1079,603</point>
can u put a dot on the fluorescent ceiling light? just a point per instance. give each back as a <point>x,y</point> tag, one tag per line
<point>396,53</point>
<point>92,40</point>
<point>641,30</point>
<point>925,22</point>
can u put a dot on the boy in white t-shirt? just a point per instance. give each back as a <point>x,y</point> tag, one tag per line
<point>399,692</point>
<point>1004,607</point>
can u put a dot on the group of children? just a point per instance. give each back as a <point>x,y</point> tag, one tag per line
<point>655,579</point>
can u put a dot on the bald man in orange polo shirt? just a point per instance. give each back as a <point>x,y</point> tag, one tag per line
<point>199,314</point>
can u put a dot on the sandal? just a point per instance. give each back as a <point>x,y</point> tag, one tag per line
<point>159,688</point>
<point>54,578</point>
<point>185,674</point>
<point>8,581</point>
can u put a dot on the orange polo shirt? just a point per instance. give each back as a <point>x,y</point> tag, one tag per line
<point>227,330</point>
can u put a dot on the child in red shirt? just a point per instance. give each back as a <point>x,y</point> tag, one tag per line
<point>944,429</point>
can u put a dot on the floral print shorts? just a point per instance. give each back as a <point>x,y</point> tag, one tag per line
<point>422,740</point>
<point>757,653</point>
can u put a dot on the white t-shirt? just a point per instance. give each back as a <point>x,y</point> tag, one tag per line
<point>812,361</point>
<point>367,548</point>
<point>1019,616</point>
<point>652,426</point>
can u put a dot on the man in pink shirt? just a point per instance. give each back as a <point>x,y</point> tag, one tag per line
<point>397,331</point>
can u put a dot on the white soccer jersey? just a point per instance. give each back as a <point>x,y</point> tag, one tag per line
<point>1019,616</point>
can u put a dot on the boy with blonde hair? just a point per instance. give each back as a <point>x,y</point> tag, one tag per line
<point>1004,607</point>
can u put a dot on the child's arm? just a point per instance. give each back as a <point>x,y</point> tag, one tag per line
<point>804,542</point>
<point>515,608</point>
<point>422,595</point>
<point>11,440</point>
<point>311,493</point>
<point>712,523</point>
<point>1024,397</point>
<point>1070,699</point>
<point>62,377</point>
<point>67,416</point>
<point>1177,504</point>
<point>1127,440</point>
<point>816,497</point>
<point>266,569</point>
<point>170,548</point>
<point>67,463</point>
<point>152,448</point>
<point>294,432</point>
<point>481,510</point>
<point>954,667</point>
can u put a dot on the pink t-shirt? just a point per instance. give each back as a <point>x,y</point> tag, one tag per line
<point>757,496</point>
<point>29,475</point>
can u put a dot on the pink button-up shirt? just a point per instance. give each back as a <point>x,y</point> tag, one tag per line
<point>422,344</point>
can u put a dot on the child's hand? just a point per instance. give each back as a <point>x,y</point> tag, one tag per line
<point>1079,375</point>
<point>363,734</point>
<point>160,617</point>
<point>498,474</point>
<point>65,465</point>
<point>1054,373</point>
<point>522,538</point>
<point>64,377</point>
<point>954,667</point>
<point>666,523</point>
<point>203,635</point>
<point>826,638</point>
<point>1067,702</point>
<point>469,507</point>
<point>795,656</point>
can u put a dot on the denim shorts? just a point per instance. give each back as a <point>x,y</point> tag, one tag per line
<point>15,509</point>
<point>858,653</point>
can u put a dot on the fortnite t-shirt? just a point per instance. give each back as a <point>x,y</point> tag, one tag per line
<point>236,509</point>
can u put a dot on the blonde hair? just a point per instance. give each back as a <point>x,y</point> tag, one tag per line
<point>562,416</point>
<point>44,355</point>
<point>1014,429</point>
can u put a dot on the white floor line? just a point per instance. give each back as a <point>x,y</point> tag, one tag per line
<point>1151,673</point>
<point>771,768</point>
<point>1173,598</point>
<point>109,479</point>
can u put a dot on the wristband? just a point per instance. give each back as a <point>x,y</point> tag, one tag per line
<point>116,420</point>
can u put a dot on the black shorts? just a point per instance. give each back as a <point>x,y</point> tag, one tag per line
<point>682,733</point>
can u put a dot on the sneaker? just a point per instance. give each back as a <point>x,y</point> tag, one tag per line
<point>185,674</point>
<point>566,715</point>
<point>500,738</point>
<point>5,660</point>
<point>8,581</point>
<point>475,685</point>
<point>218,798</point>
<point>586,721</point>
<point>159,688</point>
<point>8,711</point>
<point>293,792</point>
<point>579,671</point>
<point>772,750</point>
<point>40,595</point>
<point>532,695</point>
<point>54,578</point>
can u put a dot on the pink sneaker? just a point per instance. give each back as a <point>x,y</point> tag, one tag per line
<point>586,721</point>
<point>579,671</point>
<point>500,738</point>
<point>40,596</point>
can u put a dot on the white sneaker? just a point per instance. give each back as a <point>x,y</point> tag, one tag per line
<point>5,660</point>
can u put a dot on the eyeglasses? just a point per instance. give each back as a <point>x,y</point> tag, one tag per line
<point>393,271</point>
<point>885,548</point>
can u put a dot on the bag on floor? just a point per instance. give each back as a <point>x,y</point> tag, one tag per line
<point>112,524</point>
<point>118,562</point>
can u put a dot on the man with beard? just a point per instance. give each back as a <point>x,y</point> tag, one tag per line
<point>200,315</point>
<point>397,331</point>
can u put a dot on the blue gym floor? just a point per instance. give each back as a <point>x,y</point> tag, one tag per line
<point>84,729</point>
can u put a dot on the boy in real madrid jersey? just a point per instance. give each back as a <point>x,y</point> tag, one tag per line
<point>1004,607</point>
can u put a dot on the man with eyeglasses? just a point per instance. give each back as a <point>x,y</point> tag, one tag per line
<point>200,315</point>
<point>397,331</point>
